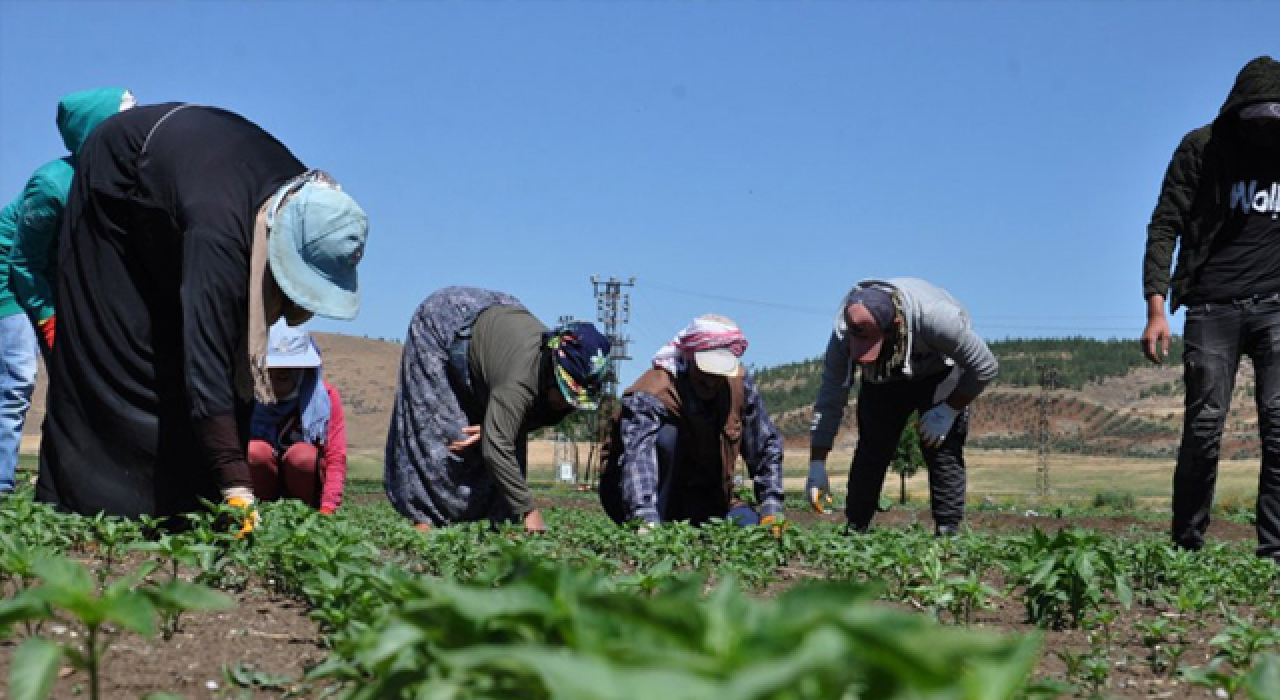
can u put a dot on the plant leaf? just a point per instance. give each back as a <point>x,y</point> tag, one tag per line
<point>35,667</point>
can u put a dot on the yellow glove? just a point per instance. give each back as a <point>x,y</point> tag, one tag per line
<point>817,487</point>
<point>241,498</point>
<point>775,524</point>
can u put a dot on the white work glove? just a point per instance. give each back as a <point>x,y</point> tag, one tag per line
<point>817,487</point>
<point>935,424</point>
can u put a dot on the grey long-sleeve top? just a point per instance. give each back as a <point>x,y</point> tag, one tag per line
<point>939,335</point>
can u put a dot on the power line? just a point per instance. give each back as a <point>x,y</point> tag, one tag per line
<point>979,321</point>
<point>740,300</point>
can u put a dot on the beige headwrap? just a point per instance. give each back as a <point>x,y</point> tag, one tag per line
<point>254,380</point>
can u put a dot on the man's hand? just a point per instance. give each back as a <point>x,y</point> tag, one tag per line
<point>1155,338</point>
<point>241,498</point>
<point>817,487</point>
<point>533,521</point>
<point>936,423</point>
<point>473,436</point>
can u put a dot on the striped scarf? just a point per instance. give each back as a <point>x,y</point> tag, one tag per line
<point>703,334</point>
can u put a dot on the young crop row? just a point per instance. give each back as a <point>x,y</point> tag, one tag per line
<point>595,611</point>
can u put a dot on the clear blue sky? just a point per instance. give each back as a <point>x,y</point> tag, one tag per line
<point>753,159</point>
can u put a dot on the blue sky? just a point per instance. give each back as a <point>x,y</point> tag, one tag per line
<point>753,160</point>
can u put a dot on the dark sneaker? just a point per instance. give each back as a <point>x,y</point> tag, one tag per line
<point>946,531</point>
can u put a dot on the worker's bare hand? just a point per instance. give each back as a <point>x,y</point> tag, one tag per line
<point>1155,339</point>
<point>533,521</point>
<point>472,433</point>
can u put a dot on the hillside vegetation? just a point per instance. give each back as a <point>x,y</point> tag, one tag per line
<point>1106,400</point>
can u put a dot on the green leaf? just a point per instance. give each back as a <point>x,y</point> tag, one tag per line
<point>1263,680</point>
<point>64,575</point>
<point>566,675</point>
<point>21,608</point>
<point>131,610</point>
<point>35,667</point>
<point>181,595</point>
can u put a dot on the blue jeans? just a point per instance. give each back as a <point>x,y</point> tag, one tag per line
<point>18,366</point>
<point>1216,335</point>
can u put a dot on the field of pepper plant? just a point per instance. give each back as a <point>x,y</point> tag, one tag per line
<point>362,606</point>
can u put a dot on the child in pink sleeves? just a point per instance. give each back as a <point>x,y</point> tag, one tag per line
<point>298,445</point>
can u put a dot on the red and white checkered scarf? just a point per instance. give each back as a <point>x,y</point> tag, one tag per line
<point>702,334</point>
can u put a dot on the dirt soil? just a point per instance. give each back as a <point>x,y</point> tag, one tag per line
<point>270,637</point>
<point>273,637</point>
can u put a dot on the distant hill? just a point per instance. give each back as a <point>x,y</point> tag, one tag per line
<point>1110,400</point>
<point>1113,401</point>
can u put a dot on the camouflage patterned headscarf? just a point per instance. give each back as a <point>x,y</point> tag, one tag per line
<point>580,357</point>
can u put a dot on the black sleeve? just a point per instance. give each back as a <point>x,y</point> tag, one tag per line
<point>1169,219</point>
<point>215,308</point>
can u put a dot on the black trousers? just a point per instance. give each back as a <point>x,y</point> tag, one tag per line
<point>678,497</point>
<point>1216,335</point>
<point>883,410</point>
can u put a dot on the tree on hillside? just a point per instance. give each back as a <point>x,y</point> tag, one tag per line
<point>907,457</point>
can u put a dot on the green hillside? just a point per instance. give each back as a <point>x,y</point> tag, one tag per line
<point>1077,361</point>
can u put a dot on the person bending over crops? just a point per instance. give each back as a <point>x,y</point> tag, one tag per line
<point>1219,206</point>
<point>28,229</point>
<point>298,445</point>
<point>917,351</point>
<point>478,373</point>
<point>674,445</point>
<point>188,231</point>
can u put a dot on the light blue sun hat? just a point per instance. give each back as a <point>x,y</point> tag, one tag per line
<point>317,240</point>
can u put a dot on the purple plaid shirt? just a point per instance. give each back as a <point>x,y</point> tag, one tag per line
<point>642,416</point>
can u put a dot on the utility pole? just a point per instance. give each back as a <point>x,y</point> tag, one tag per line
<point>613,312</point>
<point>1048,382</point>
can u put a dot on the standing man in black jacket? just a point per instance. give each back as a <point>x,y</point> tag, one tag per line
<point>1220,205</point>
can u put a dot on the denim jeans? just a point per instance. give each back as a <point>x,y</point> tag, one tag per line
<point>1216,335</point>
<point>18,366</point>
<point>883,410</point>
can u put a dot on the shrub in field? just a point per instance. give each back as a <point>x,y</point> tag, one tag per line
<point>1066,576</point>
<point>541,631</point>
<point>1259,681</point>
<point>1114,500</point>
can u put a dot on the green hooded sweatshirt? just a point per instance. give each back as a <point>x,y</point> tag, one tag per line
<point>29,225</point>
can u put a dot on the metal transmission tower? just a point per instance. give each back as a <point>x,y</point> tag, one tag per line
<point>1048,382</point>
<point>613,312</point>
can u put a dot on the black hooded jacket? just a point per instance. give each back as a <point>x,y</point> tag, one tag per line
<point>1193,198</point>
